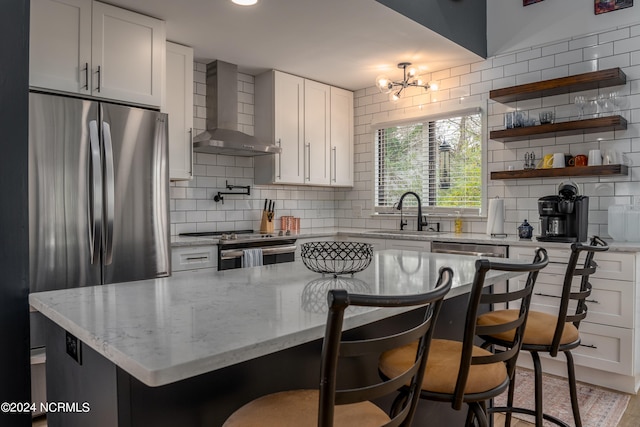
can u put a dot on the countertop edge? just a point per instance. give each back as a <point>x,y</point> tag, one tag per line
<point>478,238</point>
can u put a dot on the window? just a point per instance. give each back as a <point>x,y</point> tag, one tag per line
<point>439,158</point>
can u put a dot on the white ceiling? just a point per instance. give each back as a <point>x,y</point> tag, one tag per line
<point>346,43</point>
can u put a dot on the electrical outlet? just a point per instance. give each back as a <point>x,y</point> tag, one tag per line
<point>357,211</point>
<point>74,348</point>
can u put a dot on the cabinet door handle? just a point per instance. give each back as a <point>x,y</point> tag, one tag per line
<point>191,151</point>
<point>279,159</point>
<point>335,164</point>
<point>99,77</point>
<point>86,75</point>
<point>196,258</point>
<point>307,164</point>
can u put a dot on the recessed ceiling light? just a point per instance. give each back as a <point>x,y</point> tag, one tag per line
<point>245,2</point>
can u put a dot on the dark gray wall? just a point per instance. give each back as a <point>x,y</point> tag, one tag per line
<point>14,257</point>
<point>461,21</point>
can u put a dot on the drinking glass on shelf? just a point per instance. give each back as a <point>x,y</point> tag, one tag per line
<point>580,102</point>
<point>615,101</point>
<point>603,105</point>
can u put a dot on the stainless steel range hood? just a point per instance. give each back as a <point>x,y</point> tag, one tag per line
<point>222,136</point>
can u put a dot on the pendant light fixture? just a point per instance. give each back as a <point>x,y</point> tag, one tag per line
<point>395,88</point>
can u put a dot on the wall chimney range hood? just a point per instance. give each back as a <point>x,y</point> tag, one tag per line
<point>222,136</point>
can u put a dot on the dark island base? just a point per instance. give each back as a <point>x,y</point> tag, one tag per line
<point>118,399</point>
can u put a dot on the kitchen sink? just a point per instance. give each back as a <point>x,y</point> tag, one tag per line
<point>403,232</point>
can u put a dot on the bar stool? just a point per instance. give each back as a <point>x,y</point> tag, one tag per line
<point>550,333</point>
<point>330,406</point>
<point>461,372</point>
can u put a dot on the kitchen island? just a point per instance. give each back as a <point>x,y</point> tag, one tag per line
<point>188,350</point>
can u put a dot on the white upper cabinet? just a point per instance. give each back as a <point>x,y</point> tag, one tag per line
<point>178,104</point>
<point>91,48</point>
<point>297,114</point>
<point>341,156</point>
<point>317,114</point>
<point>60,45</point>
<point>279,118</point>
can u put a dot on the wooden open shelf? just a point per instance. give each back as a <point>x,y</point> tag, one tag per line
<point>574,127</point>
<point>561,172</point>
<point>577,83</point>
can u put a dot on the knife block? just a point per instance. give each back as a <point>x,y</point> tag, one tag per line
<point>266,224</point>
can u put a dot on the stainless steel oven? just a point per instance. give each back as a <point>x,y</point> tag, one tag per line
<point>275,249</point>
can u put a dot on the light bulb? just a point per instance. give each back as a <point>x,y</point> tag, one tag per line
<point>412,72</point>
<point>245,2</point>
<point>394,96</point>
<point>433,85</point>
<point>384,84</point>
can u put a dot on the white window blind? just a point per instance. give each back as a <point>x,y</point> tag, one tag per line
<point>440,159</point>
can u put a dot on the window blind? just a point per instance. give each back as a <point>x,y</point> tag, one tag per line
<point>440,159</point>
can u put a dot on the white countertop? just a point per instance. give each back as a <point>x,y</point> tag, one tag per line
<point>165,330</point>
<point>509,240</point>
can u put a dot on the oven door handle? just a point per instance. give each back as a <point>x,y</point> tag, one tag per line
<point>274,250</point>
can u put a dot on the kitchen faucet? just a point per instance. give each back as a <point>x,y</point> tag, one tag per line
<point>421,220</point>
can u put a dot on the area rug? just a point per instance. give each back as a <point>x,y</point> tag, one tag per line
<point>599,407</point>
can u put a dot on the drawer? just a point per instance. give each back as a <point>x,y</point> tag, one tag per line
<point>194,257</point>
<point>605,347</point>
<point>611,265</point>
<point>611,301</point>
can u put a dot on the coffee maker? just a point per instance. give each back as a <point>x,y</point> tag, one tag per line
<point>565,217</point>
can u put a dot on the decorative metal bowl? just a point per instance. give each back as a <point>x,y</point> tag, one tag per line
<point>336,257</point>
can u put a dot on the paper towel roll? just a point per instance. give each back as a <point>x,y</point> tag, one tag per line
<point>495,218</point>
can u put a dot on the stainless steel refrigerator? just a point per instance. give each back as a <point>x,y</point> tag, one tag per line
<point>98,195</point>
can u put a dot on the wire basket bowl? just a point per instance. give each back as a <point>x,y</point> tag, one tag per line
<point>336,257</point>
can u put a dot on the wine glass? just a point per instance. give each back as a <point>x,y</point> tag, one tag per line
<point>615,101</point>
<point>603,105</point>
<point>580,102</point>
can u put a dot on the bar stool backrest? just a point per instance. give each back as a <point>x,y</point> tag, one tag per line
<point>335,348</point>
<point>580,295</point>
<point>476,299</point>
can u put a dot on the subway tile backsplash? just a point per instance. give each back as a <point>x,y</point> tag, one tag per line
<point>193,208</point>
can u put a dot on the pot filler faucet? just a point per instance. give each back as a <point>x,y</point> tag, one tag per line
<point>421,220</point>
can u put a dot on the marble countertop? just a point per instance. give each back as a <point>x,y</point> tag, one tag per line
<point>164,330</point>
<point>509,240</point>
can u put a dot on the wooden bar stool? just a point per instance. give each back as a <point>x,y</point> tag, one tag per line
<point>330,406</point>
<point>550,333</point>
<point>461,372</point>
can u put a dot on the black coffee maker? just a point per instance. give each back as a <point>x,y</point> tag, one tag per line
<point>565,217</point>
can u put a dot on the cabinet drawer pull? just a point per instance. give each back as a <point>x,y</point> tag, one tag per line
<point>589,346</point>
<point>195,258</point>
<point>546,295</point>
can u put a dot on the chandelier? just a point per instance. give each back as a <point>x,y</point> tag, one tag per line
<point>411,78</point>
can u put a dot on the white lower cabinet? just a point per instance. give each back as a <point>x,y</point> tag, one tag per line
<point>187,258</point>
<point>378,244</point>
<point>607,352</point>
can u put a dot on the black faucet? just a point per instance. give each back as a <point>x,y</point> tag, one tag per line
<point>422,222</point>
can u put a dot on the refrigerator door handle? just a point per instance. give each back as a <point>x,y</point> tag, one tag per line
<point>109,195</point>
<point>94,208</point>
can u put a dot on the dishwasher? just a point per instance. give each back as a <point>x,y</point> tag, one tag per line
<point>450,322</point>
